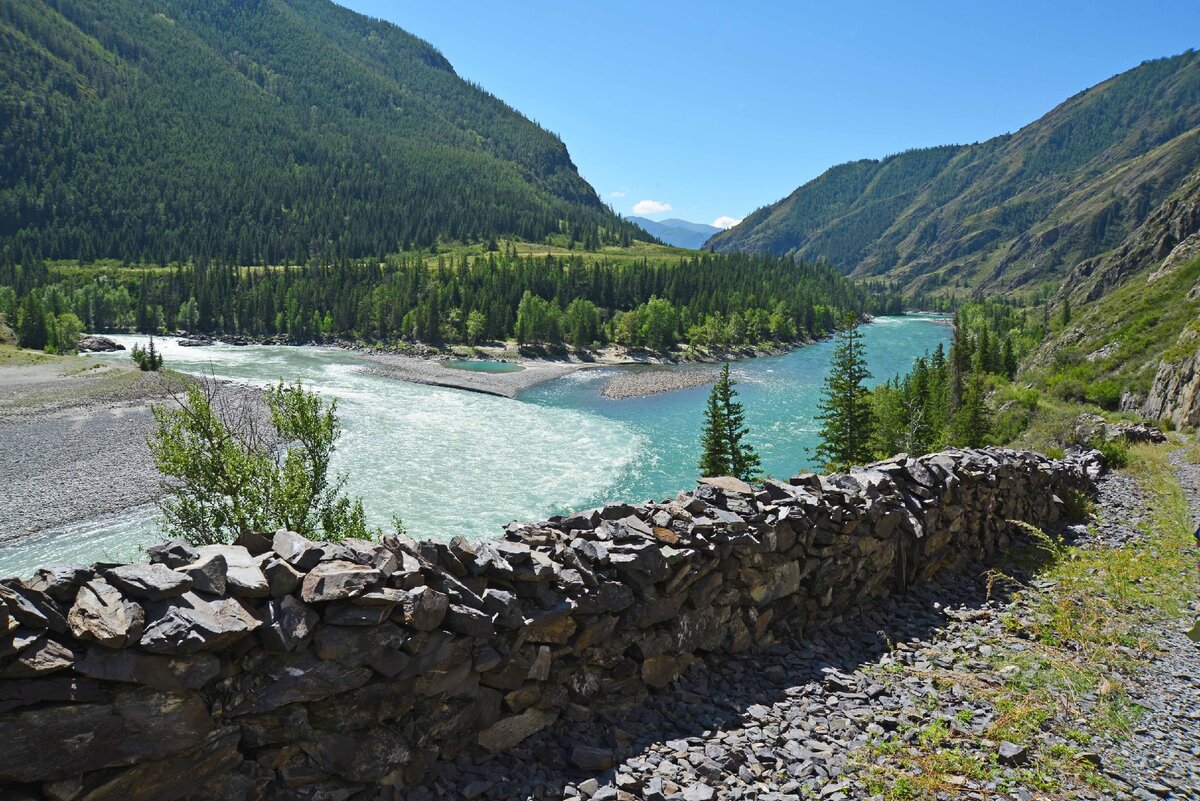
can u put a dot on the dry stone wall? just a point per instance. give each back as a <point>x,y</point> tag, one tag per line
<point>289,669</point>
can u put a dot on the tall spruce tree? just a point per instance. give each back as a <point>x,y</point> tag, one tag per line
<point>726,452</point>
<point>31,330</point>
<point>973,421</point>
<point>845,405</point>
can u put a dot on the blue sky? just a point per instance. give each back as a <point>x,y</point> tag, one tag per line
<point>716,108</point>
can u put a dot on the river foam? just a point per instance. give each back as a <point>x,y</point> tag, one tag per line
<point>451,462</point>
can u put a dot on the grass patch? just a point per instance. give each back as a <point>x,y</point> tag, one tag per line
<point>12,356</point>
<point>1146,321</point>
<point>1055,681</point>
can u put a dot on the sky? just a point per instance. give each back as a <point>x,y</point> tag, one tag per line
<point>709,110</point>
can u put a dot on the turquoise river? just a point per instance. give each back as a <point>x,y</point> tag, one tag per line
<point>453,462</point>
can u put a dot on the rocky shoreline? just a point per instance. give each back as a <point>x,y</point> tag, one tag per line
<point>73,437</point>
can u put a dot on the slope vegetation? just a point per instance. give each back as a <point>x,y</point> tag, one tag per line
<point>1012,212</point>
<point>259,131</point>
<point>1135,318</point>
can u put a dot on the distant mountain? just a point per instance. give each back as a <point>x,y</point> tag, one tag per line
<point>259,131</point>
<point>680,233</point>
<point>1016,211</point>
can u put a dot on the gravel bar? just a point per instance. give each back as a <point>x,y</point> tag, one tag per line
<point>73,444</point>
<point>433,373</point>
<point>642,382</point>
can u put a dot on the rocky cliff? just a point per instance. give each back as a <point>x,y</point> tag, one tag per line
<point>294,669</point>
<point>1168,238</point>
<point>1175,394</point>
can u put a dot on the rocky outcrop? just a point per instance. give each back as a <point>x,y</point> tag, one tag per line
<point>1166,239</point>
<point>98,344</point>
<point>1175,393</point>
<point>294,669</point>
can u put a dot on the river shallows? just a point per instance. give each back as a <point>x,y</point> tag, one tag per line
<point>454,462</point>
<point>482,367</point>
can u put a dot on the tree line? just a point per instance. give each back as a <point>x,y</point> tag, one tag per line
<point>706,300</point>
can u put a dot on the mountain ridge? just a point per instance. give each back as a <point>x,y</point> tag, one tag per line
<point>1013,212</point>
<point>677,232</point>
<point>258,131</point>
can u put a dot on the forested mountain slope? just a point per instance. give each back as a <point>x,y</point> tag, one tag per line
<point>1011,212</point>
<point>259,131</point>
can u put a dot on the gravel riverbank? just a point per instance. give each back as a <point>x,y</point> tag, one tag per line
<point>73,436</point>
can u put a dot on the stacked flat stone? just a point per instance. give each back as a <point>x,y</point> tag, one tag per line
<point>286,668</point>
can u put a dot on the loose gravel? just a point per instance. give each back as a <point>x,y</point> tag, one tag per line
<point>1162,760</point>
<point>431,372</point>
<point>643,382</point>
<point>74,447</point>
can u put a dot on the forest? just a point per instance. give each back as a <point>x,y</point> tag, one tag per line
<point>583,300</point>
<point>948,398</point>
<point>261,133</point>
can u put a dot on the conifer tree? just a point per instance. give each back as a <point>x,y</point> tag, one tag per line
<point>726,452</point>
<point>845,405</point>
<point>31,329</point>
<point>972,423</point>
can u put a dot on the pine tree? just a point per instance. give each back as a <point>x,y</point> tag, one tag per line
<point>726,452</point>
<point>973,421</point>
<point>31,329</point>
<point>845,405</point>
<point>154,357</point>
<point>715,459</point>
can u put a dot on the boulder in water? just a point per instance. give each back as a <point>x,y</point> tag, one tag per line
<point>97,344</point>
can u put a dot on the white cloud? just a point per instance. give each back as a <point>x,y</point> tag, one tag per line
<point>650,207</point>
<point>725,222</point>
<point>616,194</point>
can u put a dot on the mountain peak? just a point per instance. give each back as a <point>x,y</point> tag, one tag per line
<point>677,232</point>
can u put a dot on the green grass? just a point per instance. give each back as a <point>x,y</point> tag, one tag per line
<point>1148,321</point>
<point>115,270</point>
<point>12,356</point>
<point>1089,623</point>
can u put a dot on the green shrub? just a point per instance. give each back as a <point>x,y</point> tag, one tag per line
<point>1116,451</point>
<point>230,477</point>
<point>1105,394</point>
<point>148,359</point>
<point>1077,505</point>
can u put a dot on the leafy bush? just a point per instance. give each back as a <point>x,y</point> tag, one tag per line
<point>63,333</point>
<point>1116,451</point>
<point>1077,505</point>
<point>232,476</point>
<point>1105,394</point>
